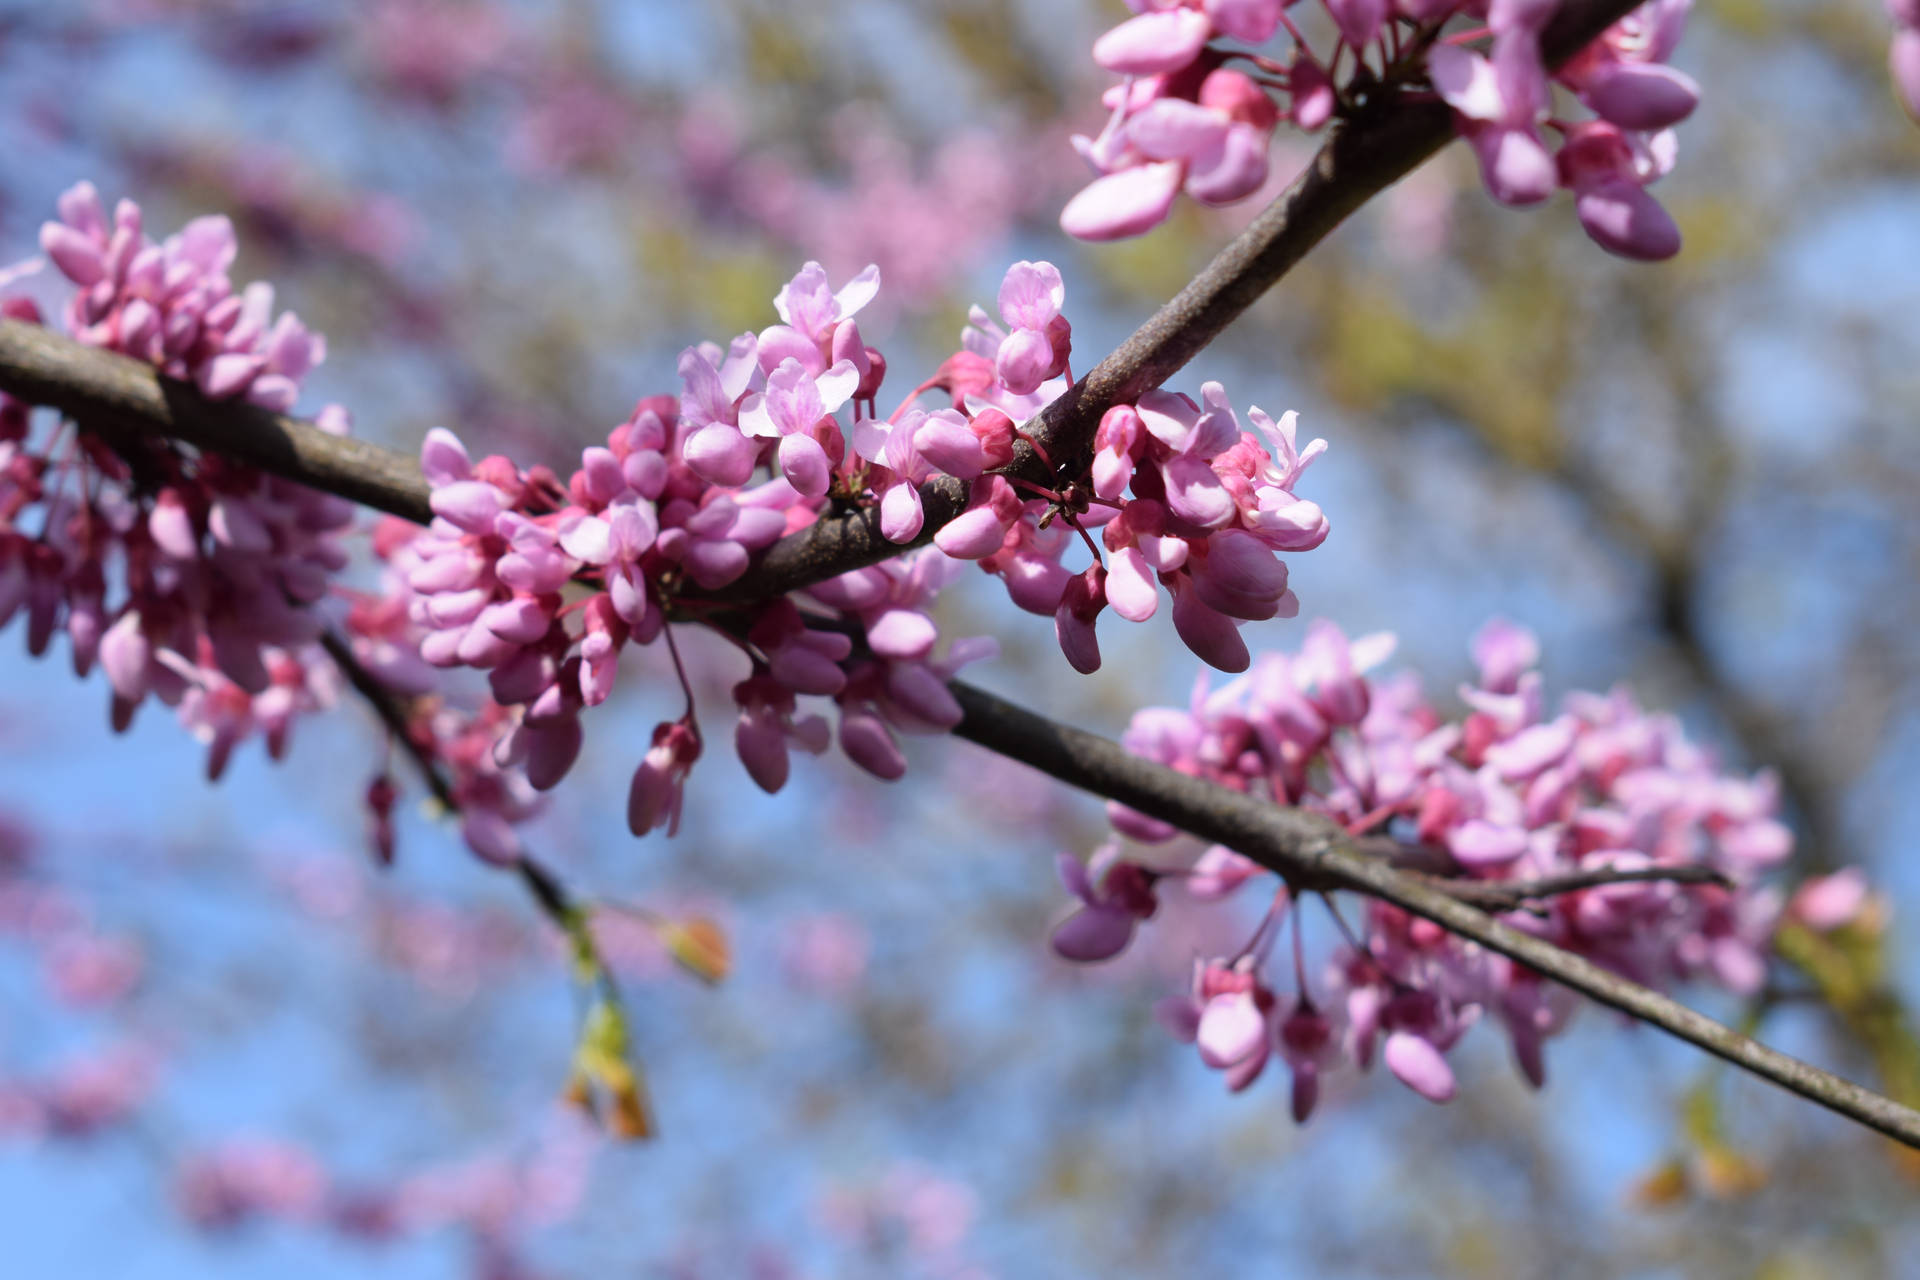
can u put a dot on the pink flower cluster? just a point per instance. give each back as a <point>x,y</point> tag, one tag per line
<point>1183,497</point>
<point>1507,794</point>
<point>217,567</point>
<point>1903,57</point>
<point>1182,119</point>
<point>543,583</point>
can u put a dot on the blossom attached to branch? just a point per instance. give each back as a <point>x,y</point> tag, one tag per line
<point>1618,838</point>
<point>1184,119</point>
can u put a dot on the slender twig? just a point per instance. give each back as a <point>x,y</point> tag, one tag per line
<point>544,886</point>
<point>1507,895</point>
<point>387,705</point>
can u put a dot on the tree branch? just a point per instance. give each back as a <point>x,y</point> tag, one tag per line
<point>545,887</point>
<point>1307,849</point>
<point>42,367</point>
<point>1311,851</point>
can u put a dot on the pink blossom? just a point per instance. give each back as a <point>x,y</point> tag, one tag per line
<point>1114,896</point>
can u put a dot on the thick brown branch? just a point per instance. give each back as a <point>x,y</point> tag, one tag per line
<point>94,386</point>
<point>1306,848</point>
<point>1312,851</point>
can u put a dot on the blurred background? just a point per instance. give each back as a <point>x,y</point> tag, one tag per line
<point>1701,478</point>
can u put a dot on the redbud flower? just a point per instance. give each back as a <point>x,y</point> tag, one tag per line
<point>1114,894</point>
<point>658,789</point>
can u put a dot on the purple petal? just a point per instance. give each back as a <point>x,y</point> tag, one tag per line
<point>1419,1066</point>
<point>902,633</point>
<point>1093,933</point>
<point>1126,203</point>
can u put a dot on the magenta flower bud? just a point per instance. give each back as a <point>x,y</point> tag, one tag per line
<point>761,743</point>
<point>1152,43</point>
<point>1194,492</point>
<point>552,747</point>
<point>1305,1093</point>
<point>1231,1029</point>
<point>469,504</point>
<point>1126,203</point>
<point>1131,587</point>
<point>523,677</point>
<point>1092,934</point>
<point>480,647</point>
<point>805,465</point>
<point>805,669</point>
<point>876,373</point>
<point>901,512</point>
<point>453,569</point>
<point>1023,361</point>
<point>521,620</point>
<point>171,526</point>
<point>535,570</point>
<point>1646,96</point>
<point>647,472</point>
<point>719,454</point>
<point>457,608</point>
<point>600,475</point>
<point>1624,220</point>
<point>1359,20</point>
<point>972,535</point>
<point>1514,164</point>
<point>946,441</point>
<point>657,792</point>
<point>1210,634</point>
<point>1824,903</point>
<point>1073,621</point>
<point>442,648</point>
<point>1252,21</point>
<point>715,564</point>
<point>847,346</point>
<point>124,655</point>
<point>923,693</point>
<point>1237,172</point>
<point>1241,577</point>
<point>1420,1066</point>
<point>81,208</point>
<point>869,744</point>
<point>1478,844</point>
<point>229,374</point>
<point>901,633</point>
<point>77,256</point>
<point>1035,583</point>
